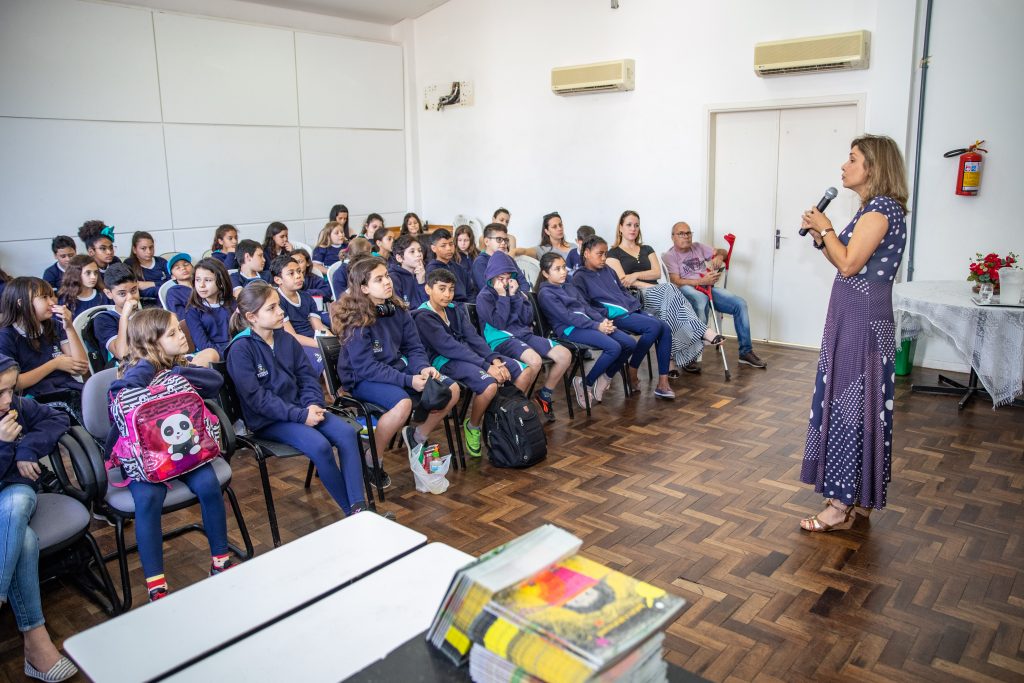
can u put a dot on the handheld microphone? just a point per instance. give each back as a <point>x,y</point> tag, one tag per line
<point>823,203</point>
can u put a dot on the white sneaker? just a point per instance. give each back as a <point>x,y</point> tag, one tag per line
<point>600,386</point>
<point>581,398</point>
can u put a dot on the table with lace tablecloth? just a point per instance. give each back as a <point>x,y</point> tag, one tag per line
<point>988,338</point>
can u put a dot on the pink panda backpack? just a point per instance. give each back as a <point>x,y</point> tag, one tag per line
<point>165,429</point>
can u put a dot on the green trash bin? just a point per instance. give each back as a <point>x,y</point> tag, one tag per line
<point>905,357</point>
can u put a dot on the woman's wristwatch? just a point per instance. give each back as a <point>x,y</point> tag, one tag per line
<point>823,233</point>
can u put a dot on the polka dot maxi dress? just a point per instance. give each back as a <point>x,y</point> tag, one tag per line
<point>848,455</point>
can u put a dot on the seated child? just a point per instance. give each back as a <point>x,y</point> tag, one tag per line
<point>111,327</point>
<point>458,351</point>
<point>407,271</point>
<point>99,242</point>
<point>572,261</point>
<point>303,321</point>
<point>573,318</point>
<point>383,242</point>
<point>150,269</point>
<point>37,333</point>
<point>312,283</point>
<point>64,248</point>
<point>443,248</point>
<point>495,238</point>
<point>250,265</point>
<point>329,246</point>
<point>210,306</point>
<point>179,268</point>
<point>507,319</point>
<point>81,288</point>
<point>225,241</point>
<point>28,433</point>
<point>282,399</point>
<point>357,248</point>
<point>155,344</point>
<point>602,288</point>
<point>275,241</point>
<point>382,360</point>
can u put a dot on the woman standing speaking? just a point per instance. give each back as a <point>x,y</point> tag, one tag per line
<point>848,456</point>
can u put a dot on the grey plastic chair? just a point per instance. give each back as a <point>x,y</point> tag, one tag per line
<point>118,504</point>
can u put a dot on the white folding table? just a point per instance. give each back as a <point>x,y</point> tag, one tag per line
<point>344,632</point>
<point>187,625</point>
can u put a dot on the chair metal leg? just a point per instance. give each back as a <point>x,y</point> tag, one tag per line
<point>374,457</point>
<point>567,384</point>
<point>268,494</point>
<point>448,434</point>
<point>309,474</point>
<point>103,576</point>
<point>242,528</point>
<point>581,369</point>
<point>122,563</point>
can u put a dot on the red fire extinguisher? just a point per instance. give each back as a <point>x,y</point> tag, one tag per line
<point>968,175</point>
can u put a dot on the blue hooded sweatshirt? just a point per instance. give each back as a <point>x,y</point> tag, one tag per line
<point>566,309</point>
<point>603,288</point>
<point>388,351</point>
<point>455,340</point>
<point>406,287</point>
<point>503,317</point>
<point>479,272</point>
<point>463,282</point>
<point>273,384</point>
<point>41,426</point>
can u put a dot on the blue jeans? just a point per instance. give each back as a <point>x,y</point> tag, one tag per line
<point>345,483</point>
<point>19,556</point>
<point>149,504</point>
<point>725,302</point>
<point>652,331</point>
<point>616,349</point>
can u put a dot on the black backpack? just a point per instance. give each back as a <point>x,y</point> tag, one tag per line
<point>515,436</point>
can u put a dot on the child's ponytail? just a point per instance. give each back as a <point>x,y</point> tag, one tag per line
<point>250,300</point>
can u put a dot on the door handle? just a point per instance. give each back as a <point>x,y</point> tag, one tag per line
<point>778,236</point>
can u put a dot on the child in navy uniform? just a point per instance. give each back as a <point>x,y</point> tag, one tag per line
<point>28,432</point>
<point>210,306</point>
<point>150,269</point>
<point>250,265</point>
<point>507,318</point>
<point>573,318</point>
<point>64,249</point>
<point>225,241</point>
<point>155,344</point>
<point>312,283</point>
<point>275,241</point>
<point>282,399</point>
<point>179,268</point>
<point>443,248</point>
<point>37,333</point>
<point>111,327</point>
<point>573,261</point>
<point>496,239</point>
<point>382,360</point>
<point>602,288</point>
<point>407,271</point>
<point>329,246</point>
<point>457,350</point>
<point>99,242</point>
<point>303,321</point>
<point>358,248</point>
<point>81,287</point>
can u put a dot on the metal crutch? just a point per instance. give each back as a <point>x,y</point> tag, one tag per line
<point>707,291</point>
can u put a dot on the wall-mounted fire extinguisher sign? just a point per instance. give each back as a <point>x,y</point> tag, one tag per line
<point>968,175</point>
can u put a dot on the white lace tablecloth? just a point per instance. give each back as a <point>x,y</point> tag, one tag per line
<point>988,338</point>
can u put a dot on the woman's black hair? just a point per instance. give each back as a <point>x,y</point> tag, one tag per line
<point>333,215</point>
<point>545,239</point>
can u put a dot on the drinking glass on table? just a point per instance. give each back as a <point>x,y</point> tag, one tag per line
<point>985,293</point>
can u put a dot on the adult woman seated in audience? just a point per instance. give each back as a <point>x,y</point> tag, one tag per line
<point>637,266</point>
<point>552,239</point>
<point>28,431</point>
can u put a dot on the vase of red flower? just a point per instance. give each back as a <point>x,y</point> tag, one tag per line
<point>986,269</point>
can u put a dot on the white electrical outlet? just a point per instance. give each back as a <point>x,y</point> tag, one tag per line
<point>444,95</point>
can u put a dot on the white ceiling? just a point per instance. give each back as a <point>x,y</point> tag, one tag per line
<point>377,11</point>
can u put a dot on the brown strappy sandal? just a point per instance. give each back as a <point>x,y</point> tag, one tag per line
<point>815,525</point>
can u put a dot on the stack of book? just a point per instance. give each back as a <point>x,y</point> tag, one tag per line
<point>533,609</point>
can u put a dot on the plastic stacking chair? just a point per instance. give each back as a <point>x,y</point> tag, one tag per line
<point>117,503</point>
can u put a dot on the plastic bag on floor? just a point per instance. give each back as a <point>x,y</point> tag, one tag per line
<point>429,468</point>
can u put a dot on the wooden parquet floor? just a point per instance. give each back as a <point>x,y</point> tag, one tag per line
<point>701,496</point>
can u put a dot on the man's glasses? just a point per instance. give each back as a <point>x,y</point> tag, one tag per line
<point>683,234</point>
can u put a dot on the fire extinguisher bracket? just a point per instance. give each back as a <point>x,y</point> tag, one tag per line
<point>968,175</point>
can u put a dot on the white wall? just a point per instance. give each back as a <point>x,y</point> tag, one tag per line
<point>590,157</point>
<point>175,123</point>
<point>973,92</point>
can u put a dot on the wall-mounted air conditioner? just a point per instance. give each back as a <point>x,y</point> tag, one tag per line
<point>839,52</point>
<point>588,78</point>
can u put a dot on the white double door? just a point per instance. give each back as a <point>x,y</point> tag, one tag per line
<point>768,166</point>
